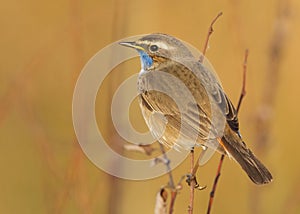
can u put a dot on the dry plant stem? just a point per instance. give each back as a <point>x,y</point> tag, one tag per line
<point>192,184</point>
<point>277,44</point>
<point>172,202</point>
<point>242,95</point>
<point>194,167</point>
<point>210,31</point>
<point>212,193</point>
<point>171,180</point>
<point>167,163</point>
<point>243,92</point>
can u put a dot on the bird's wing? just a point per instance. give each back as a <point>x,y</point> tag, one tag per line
<point>216,92</point>
<point>192,123</point>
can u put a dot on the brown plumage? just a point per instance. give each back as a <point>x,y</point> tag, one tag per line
<point>185,106</point>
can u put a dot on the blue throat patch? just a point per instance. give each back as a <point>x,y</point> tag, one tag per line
<point>146,60</point>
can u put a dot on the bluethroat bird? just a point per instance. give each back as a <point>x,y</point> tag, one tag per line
<point>184,104</point>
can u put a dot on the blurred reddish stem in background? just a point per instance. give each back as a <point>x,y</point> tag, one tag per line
<point>242,95</point>
<point>115,197</point>
<point>264,114</point>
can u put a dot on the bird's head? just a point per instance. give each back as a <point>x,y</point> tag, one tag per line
<point>158,48</point>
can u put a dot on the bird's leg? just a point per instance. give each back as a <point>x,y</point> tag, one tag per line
<point>195,168</point>
<point>192,178</point>
<point>192,181</point>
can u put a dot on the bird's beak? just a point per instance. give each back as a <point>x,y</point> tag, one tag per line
<point>132,45</point>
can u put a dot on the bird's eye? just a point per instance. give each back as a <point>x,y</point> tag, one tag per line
<point>153,48</point>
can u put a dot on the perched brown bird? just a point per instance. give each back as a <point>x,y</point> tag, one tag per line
<point>185,106</point>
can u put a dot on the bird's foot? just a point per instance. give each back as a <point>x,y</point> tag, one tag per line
<point>191,179</point>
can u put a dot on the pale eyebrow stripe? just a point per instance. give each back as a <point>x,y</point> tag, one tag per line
<point>161,45</point>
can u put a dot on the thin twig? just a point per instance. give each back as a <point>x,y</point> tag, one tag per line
<point>243,92</point>
<point>242,95</point>
<point>192,178</point>
<point>171,180</point>
<point>167,163</point>
<point>210,31</point>
<point>172,202</point>
<point>192,183</point>
<point>212,193</point>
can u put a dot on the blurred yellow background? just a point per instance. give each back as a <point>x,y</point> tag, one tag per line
<point>45,44</point>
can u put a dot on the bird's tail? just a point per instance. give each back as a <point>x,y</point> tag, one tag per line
<point>236,148</point>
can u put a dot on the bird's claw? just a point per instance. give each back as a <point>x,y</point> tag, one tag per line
<point>192,178</point>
